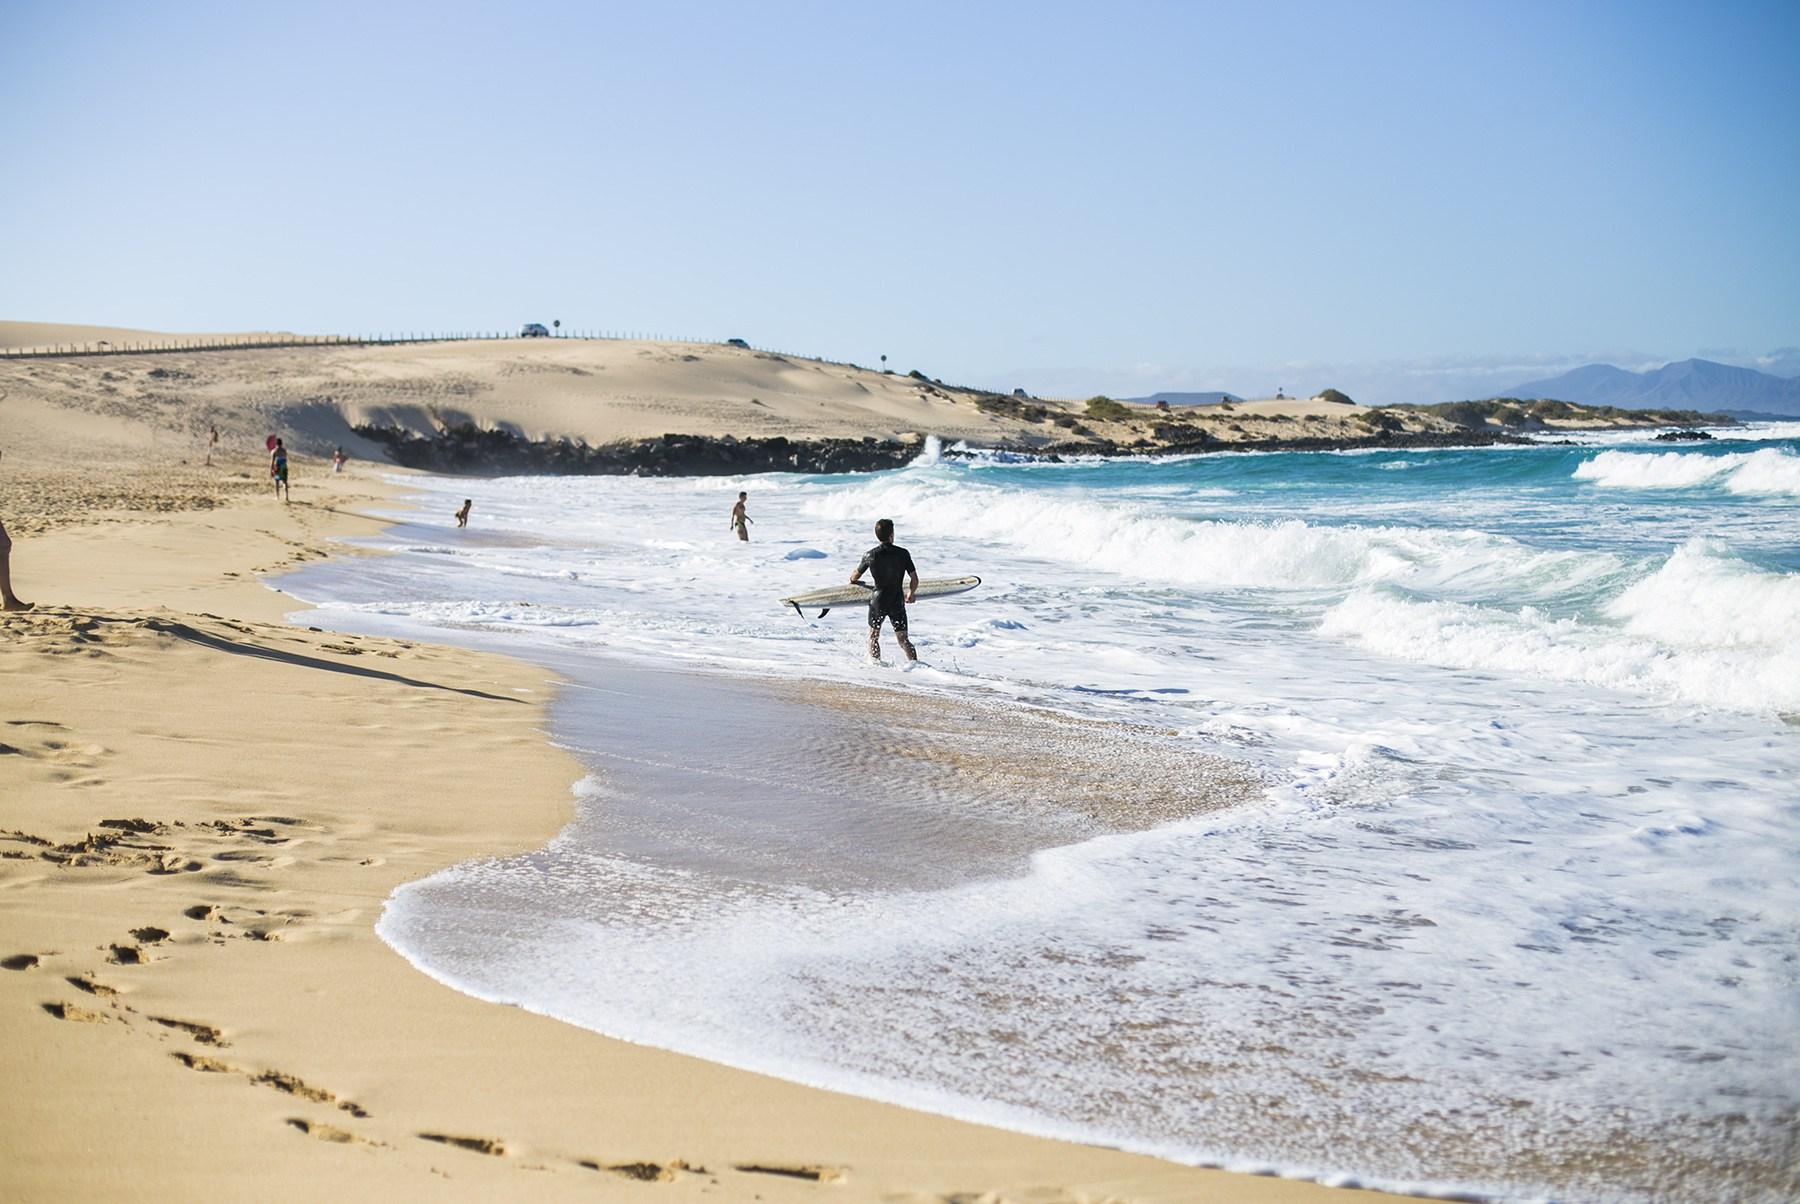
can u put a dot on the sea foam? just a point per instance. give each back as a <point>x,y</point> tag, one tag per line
<point>1523,866</point>
<point>1768,470</point>
<point>1177,542</point>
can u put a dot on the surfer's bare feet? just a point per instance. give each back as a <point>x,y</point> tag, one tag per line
<point>14,604</point>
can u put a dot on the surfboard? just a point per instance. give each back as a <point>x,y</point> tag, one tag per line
<point>840,595</point>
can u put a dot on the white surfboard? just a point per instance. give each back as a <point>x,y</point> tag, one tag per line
<point>841,595</point>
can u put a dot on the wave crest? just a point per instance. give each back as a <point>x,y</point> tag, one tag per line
<point>1703,628</point>
<point>1769,470</point>
<point>1145,541</point>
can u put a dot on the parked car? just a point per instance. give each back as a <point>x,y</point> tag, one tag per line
<point>535,330</point>
<point>737,343</point>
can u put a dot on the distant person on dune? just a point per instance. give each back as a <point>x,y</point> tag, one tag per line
<point>888,565</point>
<point>8,599</point>
<point>278,470</point>
<point>337,460</point>
<point>739,519</point>
<point>462,516</point>
<point>212,441</point>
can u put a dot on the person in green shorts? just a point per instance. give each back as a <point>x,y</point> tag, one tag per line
<point>278,470</point>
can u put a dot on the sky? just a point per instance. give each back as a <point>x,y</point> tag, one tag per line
<point>1411,199</point>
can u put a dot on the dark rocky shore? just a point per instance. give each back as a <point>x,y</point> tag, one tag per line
<point>1188,443</point>
<point>471,451</point>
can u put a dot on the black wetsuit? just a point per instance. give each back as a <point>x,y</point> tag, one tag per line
<point>888,565</point>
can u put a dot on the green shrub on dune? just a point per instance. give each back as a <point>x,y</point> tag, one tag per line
<point>1547,409</point>
<point>1105,409</point>
<point>1462,413</point>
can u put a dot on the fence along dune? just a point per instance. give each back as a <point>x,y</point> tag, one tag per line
<point>45,340</point>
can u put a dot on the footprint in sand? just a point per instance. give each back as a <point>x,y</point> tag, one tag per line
<point>20,961</point>
<point>313,1128</point>
<point>205,1034</point>
<point>281,1081</point>
<point>174,863</point>
<point>205,1065</point>
<point>815,1174</point>
<point>644,1172</point>
<point>68,1011</point>
<point>493,1147</point>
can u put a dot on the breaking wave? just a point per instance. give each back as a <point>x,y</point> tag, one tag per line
<point>1770,470</point>
<point>1703,628</point>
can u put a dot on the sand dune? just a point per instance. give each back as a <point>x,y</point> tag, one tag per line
<point>44,336</point>
<point>593,391</point>
<point>601,392</point>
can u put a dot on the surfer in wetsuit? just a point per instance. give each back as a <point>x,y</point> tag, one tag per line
<point>888,566</point>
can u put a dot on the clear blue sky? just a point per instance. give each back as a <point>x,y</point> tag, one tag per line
<point>1075,198</point>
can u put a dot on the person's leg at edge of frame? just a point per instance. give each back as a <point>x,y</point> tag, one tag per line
<point>8,599</point>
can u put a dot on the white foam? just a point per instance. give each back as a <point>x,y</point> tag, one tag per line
<point>1144,541</point>
<point>1769,470</point>
<point>1702,597</point>
<point>1509,710</point>
<point>1527,643</point>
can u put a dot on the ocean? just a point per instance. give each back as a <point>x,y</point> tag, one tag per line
<point>1426,820</point>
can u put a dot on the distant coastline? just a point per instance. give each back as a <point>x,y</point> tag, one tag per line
<point>604,406</point>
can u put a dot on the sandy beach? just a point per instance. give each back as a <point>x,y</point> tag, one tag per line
<point>205,808</point>
<point>596,394</point>
<point>899,606</point>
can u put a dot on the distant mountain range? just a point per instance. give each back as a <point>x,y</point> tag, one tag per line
<point>1688,385</point>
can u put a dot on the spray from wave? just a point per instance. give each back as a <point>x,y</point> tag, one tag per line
<point>1770,470</point>
<point>1703,628</point>
<point>1172,544</point>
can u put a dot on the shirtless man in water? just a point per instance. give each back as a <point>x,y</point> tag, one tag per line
<point>739,519</point>
<point>888,565</point>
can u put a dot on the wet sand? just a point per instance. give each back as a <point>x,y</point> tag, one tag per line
<point>205,810</point>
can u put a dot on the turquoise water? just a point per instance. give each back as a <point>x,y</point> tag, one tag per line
<point>1513,913</point>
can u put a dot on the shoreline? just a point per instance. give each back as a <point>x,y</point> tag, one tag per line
<point>652,408</point>
<point>469,451</point>
<point>218,798</point>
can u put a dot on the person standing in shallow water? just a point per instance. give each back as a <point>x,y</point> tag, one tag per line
<point>888,565</point>
<point>739,520</point>
<point>462,516</point>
